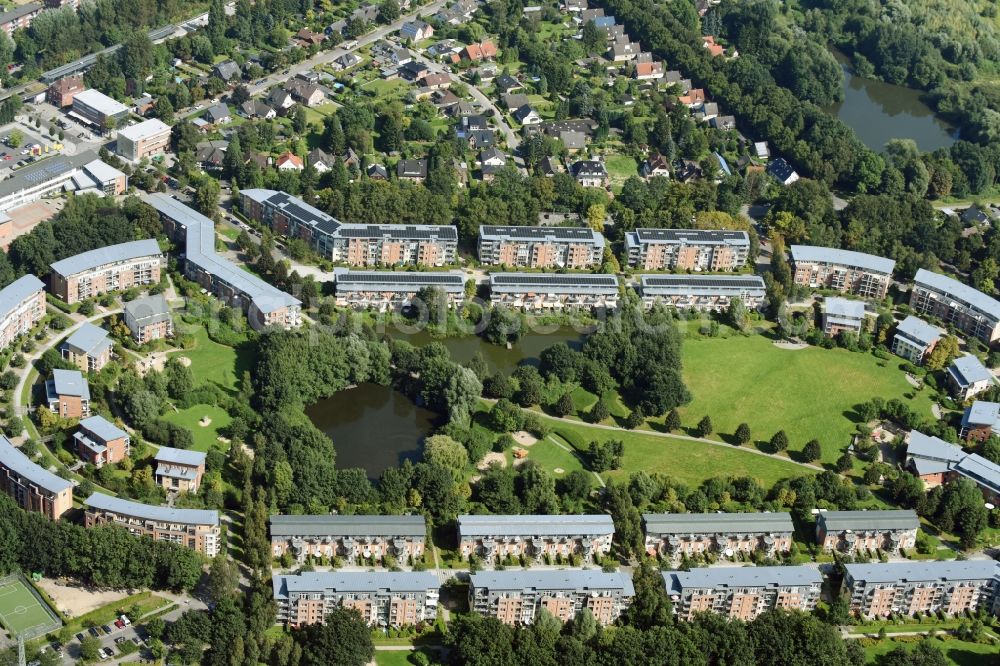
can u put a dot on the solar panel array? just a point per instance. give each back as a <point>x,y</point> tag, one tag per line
<point>692,235</point>
<point>398,232</point>
<point>554,279</point>
<point>410,278</point>
<point>707,281</point>
<point>535,233</point>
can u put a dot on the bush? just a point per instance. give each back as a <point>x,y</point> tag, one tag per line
<point>563,406</point>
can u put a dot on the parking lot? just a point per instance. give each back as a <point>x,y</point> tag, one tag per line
<point>32,141</point>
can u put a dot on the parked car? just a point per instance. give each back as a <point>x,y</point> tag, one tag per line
<point>94,632</point>
<point>107,629</point>
<point>80,636</point>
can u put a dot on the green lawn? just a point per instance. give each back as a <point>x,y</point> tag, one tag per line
<point>212,362</point>
<point>205,437</point>
<point>552,457</point>
<point>620,167</point>
<point>810,393</point>
<point>956,652</point>
<point>400,657</point>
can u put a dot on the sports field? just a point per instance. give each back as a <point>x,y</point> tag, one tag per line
<point>22,612</point>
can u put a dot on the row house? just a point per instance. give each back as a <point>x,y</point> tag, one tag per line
<point>516,597</point>
<point>539,292</point>
<point>88,348</point>
<point>742,593</point>
<point>387,291</point>
<point>851,272</point>
<point>676,534</point>
<point>384,599</point>
<point>264,304</point>
<point>541,247</point>
<point>179,470</point>
<point>22,305</point>
<point>860,531</point>
<point>100,442</point>
<point>687,249</point>
<point>915,339</point>
<point>878,590</point>
<point>106,269</point>
<point>935,461</point>
<point>709,293</point>
<point>496,537</point>
<point>197,529</point>
<point>956,304</point>
<point>842,315</point>
<point>33,487</point>
<point>401,537</point>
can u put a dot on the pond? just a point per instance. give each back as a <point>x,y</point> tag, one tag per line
<point>878,112</point>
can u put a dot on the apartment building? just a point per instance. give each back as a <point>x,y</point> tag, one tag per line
<point>980,421</point>
<point>32,486</point>
<point>915,339</point>
<point>878,590</point>
<point>106,269</point>
<point>709,293</point>
<point>68,394</point>
<point>968,377</point>
<point>384,599</point>
<point>264,304</point>
<point>149,319</point>
<point>353,244</point>
<point>20,16</point>
<point>742,592</point>
<point>539,292</point>
<point>842,315</point>
<point>956,304</point>
<point>350,537</point>
<point>936,461</point>
<point>22,305</point>
<point>98,110</point>
<point>534,536</point>
<point>145,139</point>
<point>197,529</point>
<point>100,442</point>
<point>387,291</point>
<point>179,470</point>
<point>81,173</point>
<point>860,531</point>
<point>541,247</point>
<point>687,249</point>
<point>516,597</point>
<point>857,273</point>
<point>677,534</point>
<point>88,348</point>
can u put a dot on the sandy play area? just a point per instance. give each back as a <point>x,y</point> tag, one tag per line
<point>75,600</point>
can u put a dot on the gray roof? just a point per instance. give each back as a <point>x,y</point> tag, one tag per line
<point>932,448</point>
<point>334,525</point>
<point>86,261</point>
<point>164,514</point>
<point>100,102</point>
<point>89,339</point>
<point>554,283</point>
<point>981,471</point>
<point>173,456</point>
<point>969,369</point>
<point>701,285</point>
<point>69,382</point>
<point>716,523</point>
<point>843,308</point>
<point>832,255</point>
<point>714,577</point>
<point>17,292</point>
<point>981,413</point>
<point>689,236</point>
<point>149,309</point>
<point>44,171</point>
<point>405,281</point>
<point>860,521</point>
<point>542,234</point>
<point>17,462</point>
<point>926,571</point>
<point>217,112</point>
<point>144,130</point>
<point>18,11</point>
<point>958,291</point>
<point>918,330</point>
<point>579,580</point>
<point>353,581</point>
<point>102,428</point>
<point>509,525</point>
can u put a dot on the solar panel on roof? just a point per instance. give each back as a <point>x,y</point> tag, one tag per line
<point>553,279</point>
<point>698,281</point>
<point>401,277</point>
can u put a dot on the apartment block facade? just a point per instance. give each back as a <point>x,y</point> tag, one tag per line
<point>857,273</point>
<point>534,536</point>
<point>707,293</point>
<point>145,139</point>
<point>842,315</point>
<point>915,339</point>
<point>68,394</point>
<point>540,247</point>
<point>969,310</point>
<point>149,319</point>
<point>860,531</point>
<point>89,348</point>
<point>179,470</point>
<point>540,292</point>
<point>742,592</point>
<point>197,529</point>
<point>107,269</point>
<point>386,291</point>
<point>22,305</point>
<point>100,442</point>
<point>676,534</point>
<point>687,249</point>
<point>516,597</point>
<point>936,461</point>
<point>33,487</point>
<point>878,590</point>
<point>350,537</point>
<point>384,599</point>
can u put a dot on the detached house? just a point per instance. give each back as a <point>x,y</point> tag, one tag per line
<point>227,70</point>
<point>218,114</point>
<point>590,173</point>
<point>655,165</point>
<point>647,71</point>
<point>525,115</point>
<point>320,160</point>
<point>782,171</point>
<point>288,162</point>
<point>412,170</point>
<point>416,31</point>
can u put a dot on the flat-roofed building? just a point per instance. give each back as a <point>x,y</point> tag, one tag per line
<point>915,339</point>
<point>852,272</point>
<point>383,598</point>
<point>68,394</point>
<point>353,244</point>
<point>150,137</point>
<point>81,173</point>
<point>968,377</point>
<point>179,470</point>
<point>687,249</point>
<point>677,534</point>
<point>980,421</point>
<point>516,597</point>
<point>878,590</point>
<point>264,304</point>
<point>351,537</point>
<point>149,319</point>
<point>858,531</point>
<point>742,592</point>
<point>100,442</point>
<point>197,529</point>
<point>936,461</point>
<point>554,291</point>
<point>711,293</point>
<point>392,290</point>
<point>22,305</point>
<point>969,310</point>
<point>106,269</point>
<point>33,487</point>
<point>842,315</point>
<point>88,348</point>
<point>534,536</point>
<point>97,109</point>
<point>540,247</point>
